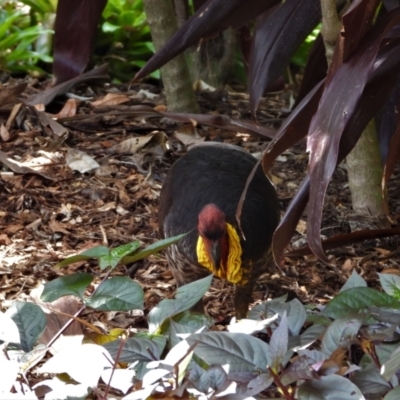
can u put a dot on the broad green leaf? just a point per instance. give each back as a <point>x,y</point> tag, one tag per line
<point>278,345</point>
<point>116,255</point>
<point>30,320</point>
<point>307,338</point>
<point>354,281</point>
<point>332,387</point>
<point>390,284</point>
<point>152,249</point>
<point>186,322</point>
<point>295,311</point>
<point>135,350</point>
<point>74,285</point>
<point>94,252</point>
<point>392,365</point>
<point>386,315</point>
<point>242,352</point>
<point>341,333</point>
<point>186,297</point>
<point>393,394</point>
<point>117,294</point>
<point>356,300</point>
<point>370,381</point>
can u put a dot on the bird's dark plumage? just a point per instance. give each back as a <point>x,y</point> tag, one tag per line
<point>213,175</point>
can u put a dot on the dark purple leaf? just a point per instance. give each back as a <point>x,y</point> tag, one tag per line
<point>356,22</point>
<point>386,120</point>
<point>75,29</point>
<point>338,103</point>
<point>284,232</point>
<point>374,95</point>
<point>277,37</point>
<point>211,18</point>
<point>390,5</point>
<point>294,128</point>
<point>315,70</point>
<point>48,95</point>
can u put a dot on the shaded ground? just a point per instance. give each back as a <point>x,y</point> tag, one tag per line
<point>48,216</point>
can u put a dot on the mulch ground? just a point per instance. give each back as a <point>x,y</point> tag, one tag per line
<point>50,212</point>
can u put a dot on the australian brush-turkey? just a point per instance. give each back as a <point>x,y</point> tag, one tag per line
<point>200,195</point>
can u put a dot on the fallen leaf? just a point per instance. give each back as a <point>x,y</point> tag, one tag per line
<point>79,161</point>
<point>4,133</point>
<point>111,99</point>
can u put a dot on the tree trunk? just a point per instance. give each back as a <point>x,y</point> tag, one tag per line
<point>365,173</point>
<point>214,59</point>
<point>175,75</point>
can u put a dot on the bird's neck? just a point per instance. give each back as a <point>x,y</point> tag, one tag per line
<point>231,252</point>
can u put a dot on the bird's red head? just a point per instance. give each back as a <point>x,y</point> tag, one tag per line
<point>212,228</point>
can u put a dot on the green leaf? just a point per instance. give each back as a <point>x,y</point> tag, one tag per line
<point>135,350</point>
<point>117,294</point>
<point>94,252</point>
<point>393,394</point>
<point>30,320</point>
<point>186,322</point>
<point>392,365</point>
<point>390,284</point>
<point>152,249</point>
<point>341,333</point>
<point>278,345</point>
<point>243,353</point>
<point>332,387</point>
<point>186,297</point>
<point>356,300</point>
<point>354,281</point>
<point>116,255</point>
<point>74,285</point>
<point>369,380</point>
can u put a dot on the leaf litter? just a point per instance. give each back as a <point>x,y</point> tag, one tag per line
<point>52,209</point>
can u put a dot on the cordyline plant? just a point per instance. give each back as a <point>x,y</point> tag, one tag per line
<point>334,106</point>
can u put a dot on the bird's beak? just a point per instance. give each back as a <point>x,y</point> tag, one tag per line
<point>215,252</point>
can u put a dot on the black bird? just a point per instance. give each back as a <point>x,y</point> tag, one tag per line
<point>200,195</point>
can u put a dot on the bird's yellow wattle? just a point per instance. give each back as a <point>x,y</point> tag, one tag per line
<point>233,272</point>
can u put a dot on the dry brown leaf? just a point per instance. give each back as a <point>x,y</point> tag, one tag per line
<point>384,252</point>
<point>11,229</point>
<point>122,193</point>
<point>23,167</point>
<point>111,99</point>
<point>392,271</point>
<point>55,226</point>
<point>347,266</point>
<point>153,143</point>
<point>4,133</point>
<point>8,93</point>
<point>4,239</point>
<point>302,227</point>
<point>13,115</point>
<point>69,109</point>
<point>79,161</point>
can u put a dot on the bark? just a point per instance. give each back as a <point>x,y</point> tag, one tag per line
<point>181,11</point>
<point>365,172</point>
<point>214,59</point>
<point>330,27</point>
<point>175,75</point>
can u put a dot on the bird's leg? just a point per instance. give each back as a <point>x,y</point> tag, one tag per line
<point>243,297</point>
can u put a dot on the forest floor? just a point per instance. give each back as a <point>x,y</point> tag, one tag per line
<point>49,210</point>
